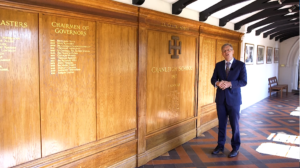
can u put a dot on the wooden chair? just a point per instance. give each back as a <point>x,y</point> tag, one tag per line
<point>275,87</point>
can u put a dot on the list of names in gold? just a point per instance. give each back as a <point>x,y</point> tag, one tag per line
<point>6,49</point>
<point>63,56</point>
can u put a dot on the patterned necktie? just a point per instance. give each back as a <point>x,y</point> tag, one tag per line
<point>227,68</point>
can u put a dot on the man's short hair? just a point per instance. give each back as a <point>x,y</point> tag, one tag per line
<point>227,44</point>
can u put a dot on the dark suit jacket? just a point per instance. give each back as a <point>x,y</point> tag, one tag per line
<point>238,77</point>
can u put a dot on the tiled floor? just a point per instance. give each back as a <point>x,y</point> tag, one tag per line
<point>257,123</point>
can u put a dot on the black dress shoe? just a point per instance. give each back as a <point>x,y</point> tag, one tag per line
<point>217,150</point>
<point>233,153</point>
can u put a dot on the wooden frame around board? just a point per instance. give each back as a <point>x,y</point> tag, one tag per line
<point>260,56</point>
<point>269,55</point>
<point>249,54</point>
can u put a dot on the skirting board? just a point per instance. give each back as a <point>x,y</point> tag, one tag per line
<point>128,163</point>
<point>165,147</point>
<point>207,126</point>
<point>81,152</point>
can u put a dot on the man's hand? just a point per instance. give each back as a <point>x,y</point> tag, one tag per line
<point>223,84</point>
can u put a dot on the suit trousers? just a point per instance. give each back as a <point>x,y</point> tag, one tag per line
<point>233,112</point>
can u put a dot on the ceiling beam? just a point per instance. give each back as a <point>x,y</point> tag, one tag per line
<point>255,6</point>
<point>263,14</point>
<point>217,7</point>
<point>138,2</point>
<point>178,6</point>
<point>276,24</point>
<point>273,19</point>
<point>276,34</point>
<point>285,32</point>
<point>279,29</point>
<point>287,37</point>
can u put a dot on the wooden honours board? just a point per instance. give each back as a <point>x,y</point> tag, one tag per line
<point>116,84</point>
<point>170,79</point>
<point>19,88</point>
<point>68,113</point>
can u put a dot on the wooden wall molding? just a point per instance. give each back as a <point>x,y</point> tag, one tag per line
<point>170,127</point>
<point>165,147</point>
<point>127,163</point>
<point>169,23</point>
<point>219,33</point>
<point>208,108</point>
<point>105,15</point>
<point>81,152</point>
<point>99,7</point>
<point>207,126</point>
<point>161,137</point>
<point>108,158</point>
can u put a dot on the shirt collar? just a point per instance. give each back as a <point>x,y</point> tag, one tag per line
<point>230,61</point>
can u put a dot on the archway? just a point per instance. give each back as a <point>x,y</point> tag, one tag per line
<point>293,62</point>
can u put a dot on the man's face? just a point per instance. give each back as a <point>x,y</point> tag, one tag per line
<point>227,53</point>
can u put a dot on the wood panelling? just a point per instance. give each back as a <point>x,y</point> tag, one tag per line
<point>165,147</point>
<point>169,23</point>
<point>142,90</point>
<point>19,88</point>
<point>107,158</point>
<point>208,115</point>
<point>163,137</point>
<point>206,68</point>
<point>92,84</point>
<point>68,114</point>
<point>106,8</point>
<point>236,49</point>
<point>116,84</point>
<point>207,126</point>
<point>170,82</point>
<point>219,33</point>
<point>81,152</point>
<point>219,56</point>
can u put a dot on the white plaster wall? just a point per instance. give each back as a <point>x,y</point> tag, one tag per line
<point>165,7</point>
<point>257,87</point>
<point>258,74</point>
<point>289,66</point>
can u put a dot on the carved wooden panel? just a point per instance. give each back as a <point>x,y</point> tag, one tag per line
<point>67,69</point>
<point>116,84</point>
<point>206,67</point>
<point>170,82</point>
<point>19,88</point>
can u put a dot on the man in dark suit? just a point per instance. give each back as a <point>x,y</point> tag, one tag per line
<point>229,76</point>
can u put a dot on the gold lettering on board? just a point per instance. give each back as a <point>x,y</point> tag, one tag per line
<point>7,48</point>
<point>170,25</point>
<point>63,56</point>
<point>71,29</point>
<point>13,23</point>
<point>171,69</point>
